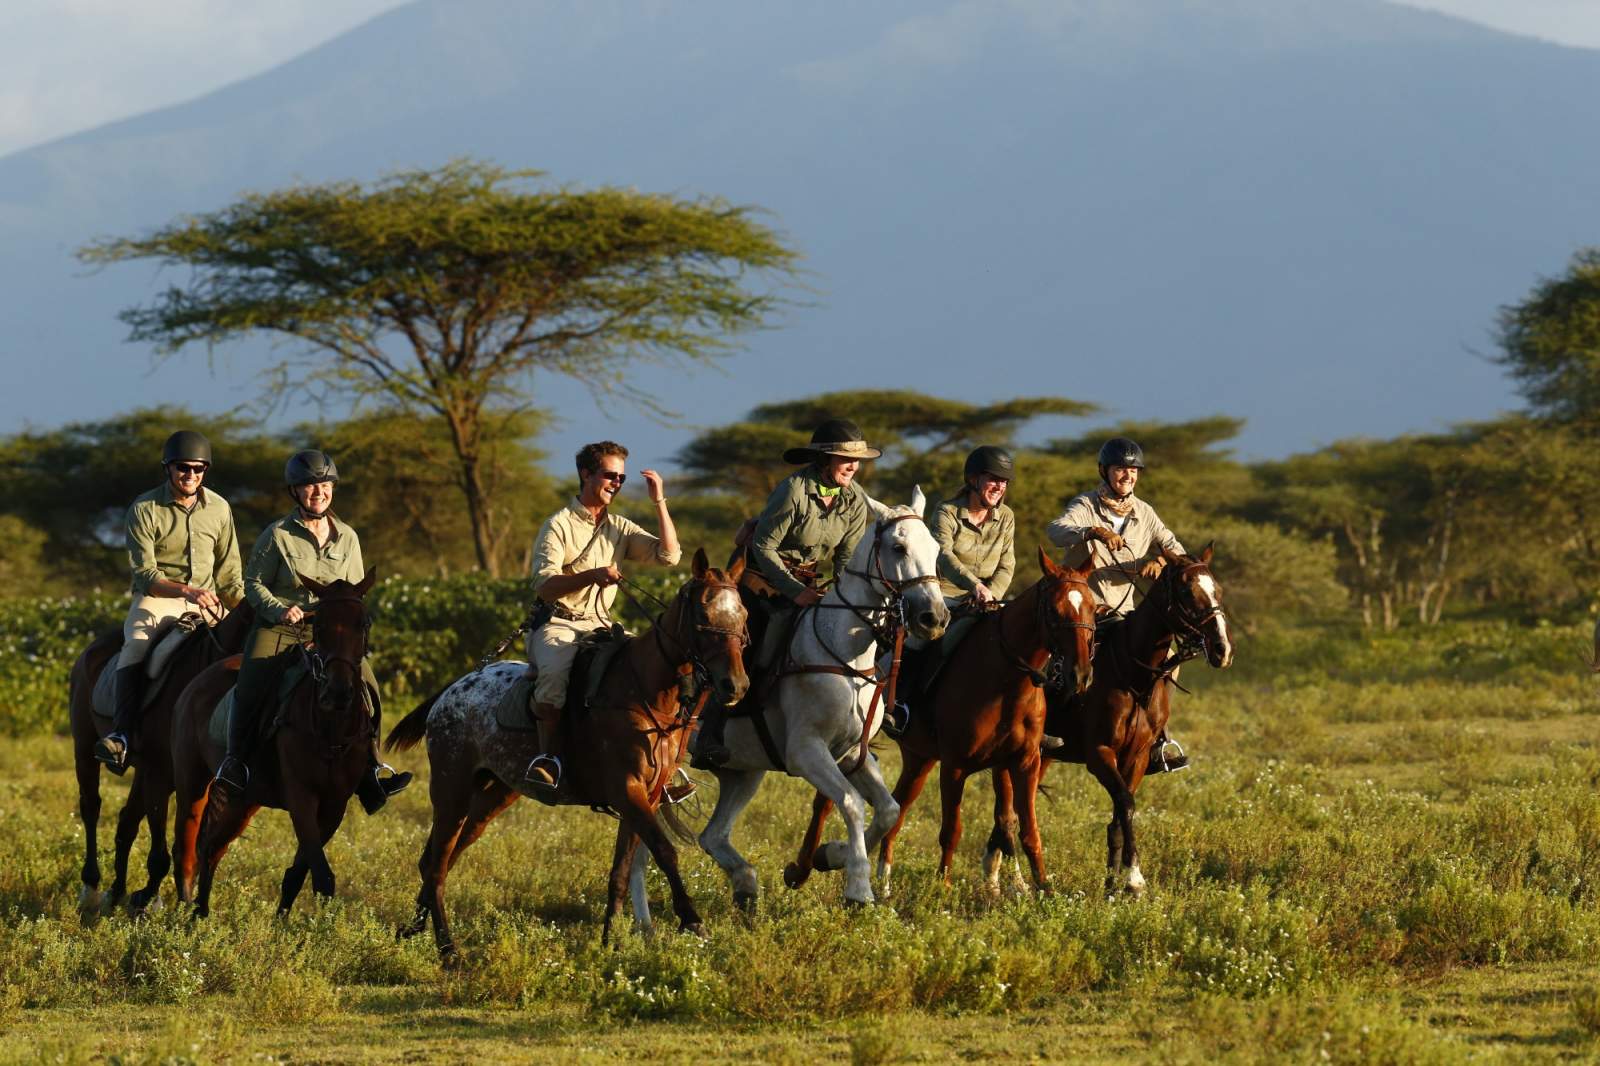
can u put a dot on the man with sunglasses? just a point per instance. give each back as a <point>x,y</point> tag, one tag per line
<point>575,573</point>
<point>184,555</point>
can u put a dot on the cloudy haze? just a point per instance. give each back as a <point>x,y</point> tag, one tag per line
<point>71,65</point>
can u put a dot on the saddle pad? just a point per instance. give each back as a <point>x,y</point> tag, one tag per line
<point>223,712</point>
<point>170,635</point>
<point>515,711</point>
<point>158,663</point>
<point>219,720</point>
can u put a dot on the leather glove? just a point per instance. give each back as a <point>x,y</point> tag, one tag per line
<point>1107,537</point>
<point>1152,569</point>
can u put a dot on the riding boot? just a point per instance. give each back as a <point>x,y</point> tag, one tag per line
<point>544,772</point>
<point>113,748</point>
<point>710,750</point>
<point>234,773</point>
<point>1162,763</point>
<point>374,791</point>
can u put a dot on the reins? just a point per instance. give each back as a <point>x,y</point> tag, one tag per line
<point>1048,621</point>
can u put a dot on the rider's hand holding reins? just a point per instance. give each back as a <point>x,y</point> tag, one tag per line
<point>1152,569</point>
<point>294,615</point>
<point>807,597</point>
<point>605,576</point>
<point>981,596</point>
<point>204,598</point>
<point>1107,537</point>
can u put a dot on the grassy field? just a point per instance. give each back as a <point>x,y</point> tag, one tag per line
<point>1388,851</point>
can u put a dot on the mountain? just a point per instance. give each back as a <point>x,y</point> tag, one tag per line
<point>1302,212</point>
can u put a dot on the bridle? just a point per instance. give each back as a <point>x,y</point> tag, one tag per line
<point>693,606</point>
<point>1189,624</point>
<point>1050,622</point>
<point>317,661</point>
<point>891,618</point>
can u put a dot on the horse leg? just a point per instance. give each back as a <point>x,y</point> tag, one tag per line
<point>193,790</point>
<point>638,892</point>
<point>812,760</point>
<point>643,824</point>
<point>735,791</point>
<point>159,861</point>
<point>127,832</point>
<point>88,772</point>
<point>219,827</point>
<point>1002,843</point>
<point>868,780</point>
<point>1026,776</point>
<point>798,872</point>
<point>314,825</point>
<point>1119,831</point>
<point>914,772</point>
<point>617,881</point>
<point>952,782</point>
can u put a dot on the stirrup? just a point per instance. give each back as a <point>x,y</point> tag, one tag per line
<point>397,781</point>
<point>680,789</point>
<point>897,719</point>
<point>233,775</point>
<point>1047,742</point>
<point>112,749</point>
<point>1161,763</point>
<point>540,775</point>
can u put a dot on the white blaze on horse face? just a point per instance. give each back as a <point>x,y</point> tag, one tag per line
<point>1075,598</point>
<point>722,610</point>
<point>1208,586</point>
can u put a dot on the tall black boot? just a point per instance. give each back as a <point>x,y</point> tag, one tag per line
<point>710,750</point>
<point>128,687</point>
<point>374,791</point>
<point>234,773</point>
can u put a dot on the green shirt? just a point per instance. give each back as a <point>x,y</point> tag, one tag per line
<point>794,530</point>
<point>285,552</point>
<point>195,547</point>
<point>970,554</point>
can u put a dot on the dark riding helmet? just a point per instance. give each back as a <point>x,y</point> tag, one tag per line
<point>308,468</point>
<point>186,446</point>
<point>989,460</point>
<point>1120,451</point>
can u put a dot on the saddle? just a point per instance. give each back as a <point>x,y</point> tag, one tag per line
<point>595,652</point>
<point>171,635</point>
<point>222,714</point>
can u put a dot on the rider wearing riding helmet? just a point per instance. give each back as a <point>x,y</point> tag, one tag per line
<point>308,542</point>
<point>977,532</point>
<point>816,515</point>
<point>184,553</point>
<point>1127,541</point>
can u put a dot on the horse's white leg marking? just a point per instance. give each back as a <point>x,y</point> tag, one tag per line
<point>811,760</point>
<point>1135,880</point>
<point>737,788</point>
<point>1019,884</point>
<point>636,889</point>
<point>993,860</point>
<point>883,878</point>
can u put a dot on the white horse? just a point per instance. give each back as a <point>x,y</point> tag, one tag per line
<point>821,715</point>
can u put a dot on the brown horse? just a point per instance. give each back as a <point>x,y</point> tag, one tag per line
<point>310,768</point>
<point>986,710</point>
<point>621,750</point>
<point>1111,727</point>
<point>151,758</point>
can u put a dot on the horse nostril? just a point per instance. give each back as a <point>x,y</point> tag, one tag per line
<point>928,619</point>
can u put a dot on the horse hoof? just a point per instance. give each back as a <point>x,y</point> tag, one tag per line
<point>451,959</point>
<point>89,899</point>
<point>856,904</point>
<point>794,876</point>
<point>745,901</point>
<point>109,903</point>
<point>406,932</point>
<point>694,929</point>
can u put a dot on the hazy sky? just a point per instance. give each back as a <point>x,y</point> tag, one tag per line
<point>72,65</point>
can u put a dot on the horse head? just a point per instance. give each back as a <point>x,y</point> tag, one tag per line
<point>902,560</point>
<point>1194,604</point>
<point>1066,609</point>
<point>713,625</point>
<point>339,629</point>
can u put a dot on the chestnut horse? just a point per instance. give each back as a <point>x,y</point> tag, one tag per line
<point>151,757</point>
<point>1111,727</point>
<point>621,750</point>
<point>986,710</point>
<point>310,767</point>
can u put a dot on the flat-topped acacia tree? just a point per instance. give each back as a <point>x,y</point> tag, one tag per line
<point>443,290</point>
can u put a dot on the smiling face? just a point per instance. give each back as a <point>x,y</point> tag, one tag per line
<point>600,486</point>
<point>1122,479</point>
<point>185,478</point>
<point>314,499</point>
<point>840,471</point>
<point>989,490</point>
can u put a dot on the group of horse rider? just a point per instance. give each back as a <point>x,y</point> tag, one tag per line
<point>184,555</point>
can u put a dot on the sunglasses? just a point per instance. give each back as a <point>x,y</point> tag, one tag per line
<point>190,468</point>
<point>612,476</point>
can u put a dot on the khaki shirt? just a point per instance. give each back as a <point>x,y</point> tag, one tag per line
<point>970,554</point>
<point>1114,581</point>
<point>567,544</point>
<point>195,547</point>
<point>794,530</point>
<point>286,552</point>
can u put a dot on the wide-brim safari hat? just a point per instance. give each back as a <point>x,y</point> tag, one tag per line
<point>836,436</point>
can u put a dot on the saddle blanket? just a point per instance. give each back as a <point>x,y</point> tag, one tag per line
<point>171,635</point>
<point>515,711</point>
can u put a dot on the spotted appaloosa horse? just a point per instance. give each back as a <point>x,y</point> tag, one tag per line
<point>620,752</point>
<point>151,758</point>
<point>1111,727</point>
<point>821,710</point>
<point>985,710</point>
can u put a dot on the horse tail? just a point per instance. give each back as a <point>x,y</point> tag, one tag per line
<point>413,727</point>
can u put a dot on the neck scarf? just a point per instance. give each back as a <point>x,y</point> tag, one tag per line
<point>1121,506</point>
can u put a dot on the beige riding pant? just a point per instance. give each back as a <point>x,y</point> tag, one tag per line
<point>146,614</point>
<point>551,649</point>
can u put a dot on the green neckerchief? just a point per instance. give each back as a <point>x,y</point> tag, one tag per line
<point>828,491</point>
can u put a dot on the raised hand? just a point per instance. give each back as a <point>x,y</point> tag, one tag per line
<point>653,482</point>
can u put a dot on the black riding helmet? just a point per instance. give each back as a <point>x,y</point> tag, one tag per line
<point>186,446</point>
<point>1120,451</point>
<point>308,468</point>
<point>989,460</point>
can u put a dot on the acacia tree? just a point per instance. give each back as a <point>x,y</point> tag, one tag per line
<point>443,291</point>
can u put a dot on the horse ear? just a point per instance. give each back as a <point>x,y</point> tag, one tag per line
<point>1205,553</point>
<point>736,567</point>
<point>879,511</point>
<point>918,501</point>
<point>318,589</point>
<point>366,582</point>
<point>701,564</point>
<point>1047,564</point>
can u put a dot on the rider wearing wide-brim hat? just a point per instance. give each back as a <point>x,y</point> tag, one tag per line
<point>184,553</point>
<point>308,542</point>
<point>814,518</point>
<point>1126,539</point>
